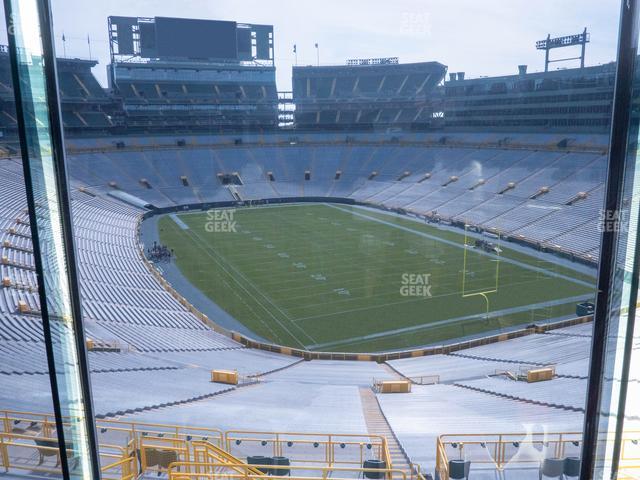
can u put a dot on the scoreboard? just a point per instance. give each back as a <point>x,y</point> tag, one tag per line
<point>168,38</point>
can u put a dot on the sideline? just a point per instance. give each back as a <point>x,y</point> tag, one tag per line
<point>464,319</point>
<point>179,222</point>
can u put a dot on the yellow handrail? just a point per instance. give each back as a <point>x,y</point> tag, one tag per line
<point>213,454</point>
<point>47,448</point>
<point>329,442</point>
<point>47,423</point>
<point>499,443</point>
<point>187,470</point>
<point>126,467</point>
<point>190,443</point>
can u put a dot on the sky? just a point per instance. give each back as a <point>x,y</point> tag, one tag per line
<point>479,37</point>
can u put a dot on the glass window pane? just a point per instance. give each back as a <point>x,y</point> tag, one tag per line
<point>46,249</point>
<point>399,194</point>
<point>25,392</point>
<point>617,450</point>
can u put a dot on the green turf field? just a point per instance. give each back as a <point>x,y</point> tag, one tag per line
<point>341,278</point>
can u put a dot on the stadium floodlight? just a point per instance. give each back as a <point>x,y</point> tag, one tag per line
<point>562,42</point>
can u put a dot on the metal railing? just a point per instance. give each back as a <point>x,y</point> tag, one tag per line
<point>19,452</point>
<point>40,453</point>
<point>124,469</point>
<point>128,449</point>
<point>28,442</point>
<point>425,379</point>
<point>202,471</point>
<point>499,451</point>
<point>204,452</point>
<point>316,448</point>
<point>138,430</point>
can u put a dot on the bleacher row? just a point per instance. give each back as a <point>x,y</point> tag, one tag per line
<point>185,105</point>
<point>119,294</point>
<point>365,115</point>
<point>165,353</point>
<point>468,399</point>
<point>176,90</point>
<point>548,197</point>
<point>364,96</point>
<point>357,84</point>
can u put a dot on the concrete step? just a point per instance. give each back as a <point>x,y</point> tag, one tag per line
<point>377,425</point>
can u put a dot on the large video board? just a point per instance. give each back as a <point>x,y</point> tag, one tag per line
<point>189,39</point>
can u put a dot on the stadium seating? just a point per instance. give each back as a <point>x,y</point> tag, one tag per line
<point>86,107</point>
<point>549,198</point>
<point>195,96</point>
<point>537,100</point>
<point>429,411</point>
<point>122,302</point>
<point>366,94</point>
<point>273,406</point>
<point>471,377</point>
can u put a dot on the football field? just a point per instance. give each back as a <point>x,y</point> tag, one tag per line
<point>343,278</point>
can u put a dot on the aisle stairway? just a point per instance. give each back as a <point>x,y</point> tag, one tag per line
<point>377,425</point>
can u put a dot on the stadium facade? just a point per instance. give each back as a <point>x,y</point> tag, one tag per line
<point>191,96</point>
<point>576,99</point>
<point>368,95</point>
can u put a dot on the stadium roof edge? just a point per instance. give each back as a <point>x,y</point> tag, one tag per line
<point>77,61</point>
<point>605,68</point>
<point>185,65</point>
<point>371,67</point>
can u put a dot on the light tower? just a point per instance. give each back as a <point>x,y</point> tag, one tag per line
<point>560,42</point>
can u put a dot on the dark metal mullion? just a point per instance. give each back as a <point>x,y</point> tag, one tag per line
<point>627,46</point>
<point>633,237</point>
<point>59,151</point>
<point>37,254</point>
<point>626,357</point>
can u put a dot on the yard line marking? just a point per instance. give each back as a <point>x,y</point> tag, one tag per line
<point>266,325</point>
<point>412,300</point>
<point>207,251</point>
<point>179,222</point>
<point>198,245</point>
<point>463,319</point>
<point>458,245</point>
<point>258,290</point>
<point>345,275</point>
